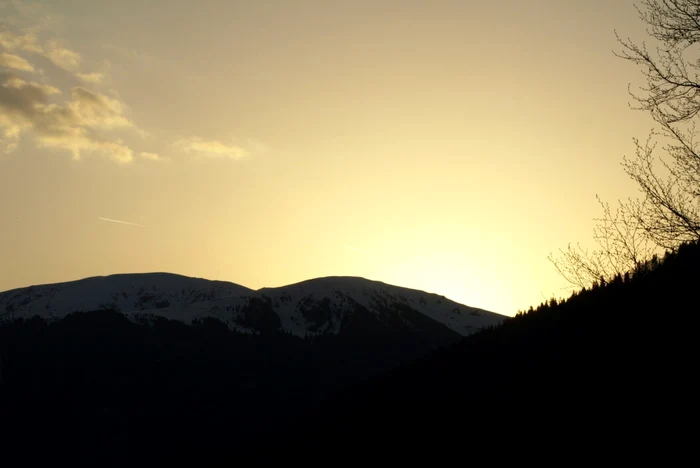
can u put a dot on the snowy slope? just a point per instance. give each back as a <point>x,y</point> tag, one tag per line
<point>373,296</point>
<point>126,293</point>
<point>331,305</point>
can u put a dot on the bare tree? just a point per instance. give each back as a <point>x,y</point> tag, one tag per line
<point>669,210</point>
<point>622,246</point>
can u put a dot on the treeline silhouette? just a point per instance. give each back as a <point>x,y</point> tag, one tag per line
<point>610,370</point>
<point>97,388</point>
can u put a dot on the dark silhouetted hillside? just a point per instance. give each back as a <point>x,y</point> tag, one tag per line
<point>610,370</point>
<point>96,388</point>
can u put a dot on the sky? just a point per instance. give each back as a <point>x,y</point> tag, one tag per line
<point>447,146</point>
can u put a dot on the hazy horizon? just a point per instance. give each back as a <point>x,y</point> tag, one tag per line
<point>444,146</point>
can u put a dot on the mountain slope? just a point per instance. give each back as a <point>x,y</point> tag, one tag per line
<point>608,371</point>
<point>156,365</point>
<point>128,293</point>
<point>322,306</point>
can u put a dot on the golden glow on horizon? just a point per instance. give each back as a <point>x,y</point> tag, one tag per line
<point>448,147</point>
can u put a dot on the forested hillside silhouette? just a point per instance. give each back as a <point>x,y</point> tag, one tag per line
<point>98,388</point>
<point>608,369</point>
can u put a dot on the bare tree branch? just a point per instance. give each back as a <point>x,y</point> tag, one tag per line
<point>622,245</point>
<point>667,212</point>
<point>670,210</point>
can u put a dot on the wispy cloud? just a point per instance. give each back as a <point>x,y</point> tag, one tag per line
<point>78,120</point>
<point>92,78</point>
<point>15,62</point>
<point>121,222</point>
<point>83,121</point>
<point>53,49</point>
<point>77,125</point>
<point>62,56</point>
<point>154,157</point>
<point>28,42</point>
<point>211,148</point>
<point>97,110</point>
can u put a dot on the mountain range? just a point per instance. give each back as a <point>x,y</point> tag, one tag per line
<point>112,370</point>
<point>322,306</point>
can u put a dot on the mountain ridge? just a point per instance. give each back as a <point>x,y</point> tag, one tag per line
<point>322,305</point>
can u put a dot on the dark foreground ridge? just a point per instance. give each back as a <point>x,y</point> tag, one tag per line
<point>99,389</point>
<point>608,372</point>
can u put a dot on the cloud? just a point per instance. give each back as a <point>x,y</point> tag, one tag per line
<point>211,148</point>
<point>75,125</point>
<point>32,89</point>
<point>28,42</point>
<point>20,102</point>
<point>61,56</point>
<point>77,120</point>
<point>53,50</point>
<point>82,141</point>
<point>153,157</point>
<point>97,110</point>
<point>92,78</point>
<point>15,62</point>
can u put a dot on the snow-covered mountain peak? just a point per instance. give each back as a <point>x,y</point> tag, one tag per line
<point>327,305</point>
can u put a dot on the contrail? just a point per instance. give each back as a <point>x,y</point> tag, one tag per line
<point>121,222</point>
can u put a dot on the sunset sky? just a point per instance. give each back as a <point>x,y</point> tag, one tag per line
<point>447,146</point>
